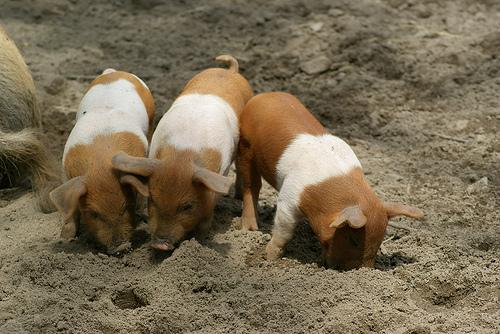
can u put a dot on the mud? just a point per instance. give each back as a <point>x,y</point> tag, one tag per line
<point>413,86</point>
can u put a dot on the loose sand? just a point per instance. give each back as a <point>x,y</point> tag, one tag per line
<point>413,86</point>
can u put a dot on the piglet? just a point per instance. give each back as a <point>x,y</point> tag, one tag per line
<point>115,115</point>
<point>318,178</point>
<point>190,154</point>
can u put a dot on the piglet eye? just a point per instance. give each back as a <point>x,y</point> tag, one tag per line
<point>94,215</point>
<point>185,207</point>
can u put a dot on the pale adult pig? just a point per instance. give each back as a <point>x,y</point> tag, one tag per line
<point>191,152</point>
<point>22,155</point>
<point>318,178</point>
<point>115,115</point>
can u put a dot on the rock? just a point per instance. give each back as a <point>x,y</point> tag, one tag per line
<point>335,12</point>
<point>316,26</point>
<point>61,326</point>
<point>480,185</point>
<point>146,4</point>
<point>491,43</point>
<point>315,65</point>
<point>55,86</point>
<point>6,316</point>
<point>423,11</point>
<point>458,125</point>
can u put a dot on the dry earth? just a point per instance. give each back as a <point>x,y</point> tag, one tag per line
<point>413,86</point>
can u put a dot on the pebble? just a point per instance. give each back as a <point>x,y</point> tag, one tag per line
<point>61,326</point>
<point>6,316</point>
<point>480,185</point>
<point>55,86</point>
<point>146,4</point>
<point>335,12</point>
<point>316,26</point>
<point>316,65</point>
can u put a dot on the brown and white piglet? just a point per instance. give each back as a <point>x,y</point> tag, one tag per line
<point>115,115</point>
<point>191,152</point>
<point>318,178</point>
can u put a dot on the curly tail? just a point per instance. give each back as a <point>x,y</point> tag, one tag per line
<point>233,63</point>
<point>23,154</point>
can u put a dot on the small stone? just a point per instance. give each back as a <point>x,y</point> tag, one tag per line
<point>458,125</point>
<point>480,185</point>
<point>335,12</point>
<point>423,12</point>
<point>316,26</point>
<point>6,316</point>
<point>146,4</point>
<point>61,325</point>
<point>316,65</point>
<point>55,86</point>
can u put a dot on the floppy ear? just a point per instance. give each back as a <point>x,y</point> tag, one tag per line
<point>352,215</point>
<point>137,184</point>
<point>134,165</point>
<point>213,181</point>
<point>398,209</point>
<point>66,198</point>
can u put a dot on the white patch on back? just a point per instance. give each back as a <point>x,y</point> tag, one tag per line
<point>198,121</point>
<point>109,108</point>
<point>309,160</point>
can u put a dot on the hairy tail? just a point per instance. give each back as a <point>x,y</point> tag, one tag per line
<point>22,153</point>
<point>233,63</point>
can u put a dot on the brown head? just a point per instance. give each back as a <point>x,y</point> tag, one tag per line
<point>182,191</point>
<point>96,194</point>
<point>350,223</point>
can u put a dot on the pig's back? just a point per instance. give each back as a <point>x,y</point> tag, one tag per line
<point>18,102</point>
<point>230,86</point>
<point>115,103</point>
<point>269,123</point>
<point>196,122</point>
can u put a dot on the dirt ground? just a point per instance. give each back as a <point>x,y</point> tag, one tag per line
<point>413,86</point>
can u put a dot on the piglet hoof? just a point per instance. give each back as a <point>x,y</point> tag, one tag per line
<point>238,193</point>
<point>249,224</point>
<point>272,252</point>
<point>68,231</point>
<point>122,248</point>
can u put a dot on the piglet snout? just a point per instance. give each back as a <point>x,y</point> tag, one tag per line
<point>161,245</point>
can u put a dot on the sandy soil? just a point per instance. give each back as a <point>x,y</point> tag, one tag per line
<point>413,86</point>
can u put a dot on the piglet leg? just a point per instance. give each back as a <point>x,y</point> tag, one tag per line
<point>284,226</point>
<point>238,187</point>
<point>250,182</point>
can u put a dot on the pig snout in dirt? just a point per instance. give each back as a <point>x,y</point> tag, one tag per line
<point>114,116</point>
<point>181,196</point>
<point>162,244</point>
<point>318,177</point>
<point>191,151</point>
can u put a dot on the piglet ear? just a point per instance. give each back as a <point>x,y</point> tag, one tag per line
<point>66,196</point>
<point>353,216</point>
<point>213,181</point>
<point>137,184</point>
<point>134,165</point>
<point>398,209</point>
